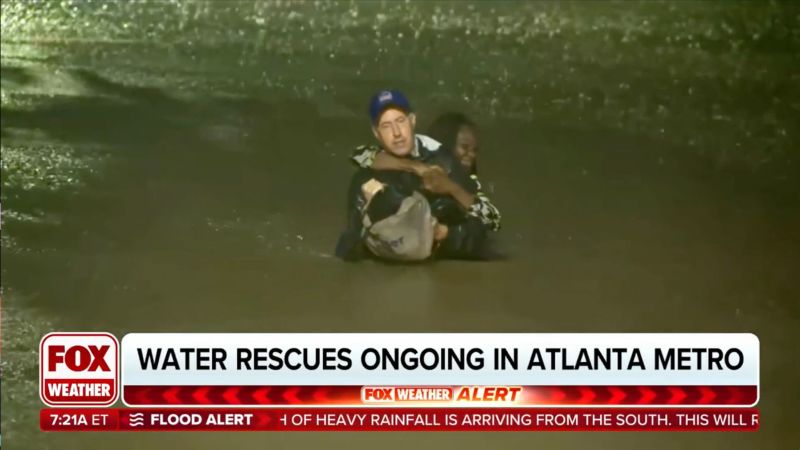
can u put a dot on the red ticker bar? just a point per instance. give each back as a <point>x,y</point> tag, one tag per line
<point>530,395</point>
<point>399,419</point>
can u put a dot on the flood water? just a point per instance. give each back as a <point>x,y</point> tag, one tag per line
<point>182,166</point>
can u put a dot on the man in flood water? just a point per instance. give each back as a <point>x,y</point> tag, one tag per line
<point>417,196</point>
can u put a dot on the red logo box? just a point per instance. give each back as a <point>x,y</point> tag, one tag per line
<point>79,369</point>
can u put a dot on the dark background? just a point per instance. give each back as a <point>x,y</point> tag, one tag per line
<point>181,166</point>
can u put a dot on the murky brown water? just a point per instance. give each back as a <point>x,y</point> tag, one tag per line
<point>146,191</point>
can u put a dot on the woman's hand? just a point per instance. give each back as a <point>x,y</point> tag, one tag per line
<point>435,180</point>
<point>420,169</point>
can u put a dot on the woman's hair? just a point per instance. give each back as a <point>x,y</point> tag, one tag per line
<point>446,127</point>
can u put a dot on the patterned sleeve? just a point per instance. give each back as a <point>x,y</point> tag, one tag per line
<point>364,155</point>
<point>483,208</point>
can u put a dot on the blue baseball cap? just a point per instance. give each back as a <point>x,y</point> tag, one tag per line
<point>383,100</point>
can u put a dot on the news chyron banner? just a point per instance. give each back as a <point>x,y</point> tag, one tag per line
<point>399,382</point>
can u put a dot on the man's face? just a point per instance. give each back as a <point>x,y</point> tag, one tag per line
<point>395,131</point>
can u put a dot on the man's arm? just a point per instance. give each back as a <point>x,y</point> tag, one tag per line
<point>475,204</point>
<point>439,182</point>
<point>350,245</point>
<point>372,157</point>
<point>473,200</point>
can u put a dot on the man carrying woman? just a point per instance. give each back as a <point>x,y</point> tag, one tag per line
<point>416,197</point>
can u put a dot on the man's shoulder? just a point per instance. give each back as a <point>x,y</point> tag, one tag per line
<point>428,143</point>
<point>394,177</point>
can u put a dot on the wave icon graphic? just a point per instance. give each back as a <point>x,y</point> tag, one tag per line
<point>136,419</point>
